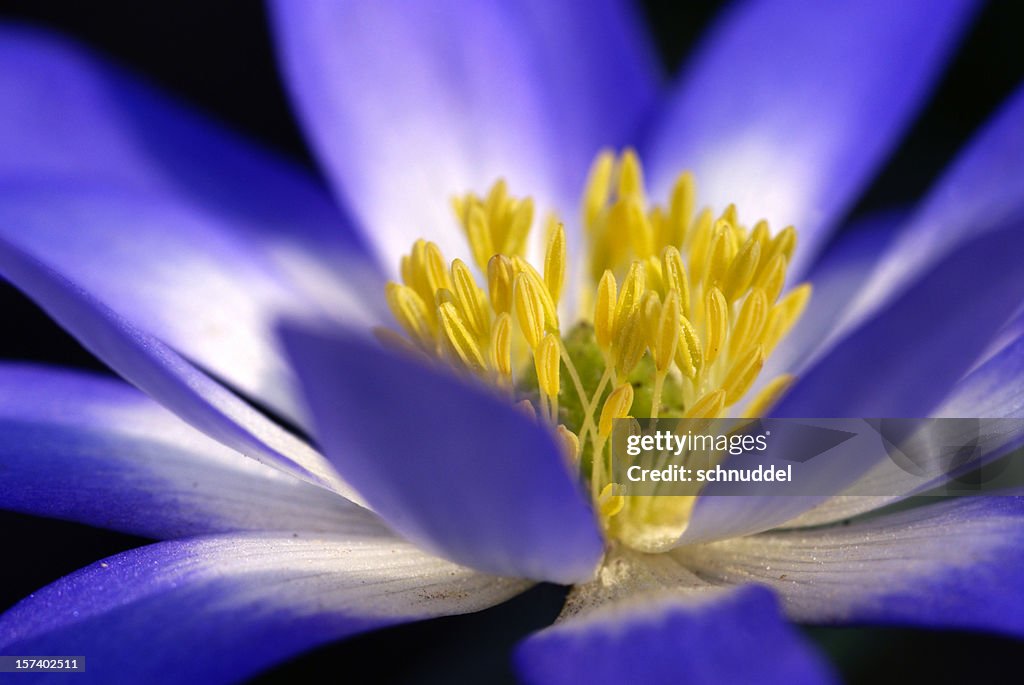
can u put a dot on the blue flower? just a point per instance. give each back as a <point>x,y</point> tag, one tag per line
<point>174,251</point>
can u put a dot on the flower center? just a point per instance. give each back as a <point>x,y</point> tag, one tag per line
<point>678,312</point>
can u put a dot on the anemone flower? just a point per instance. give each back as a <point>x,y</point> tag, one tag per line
<point>462,460</point>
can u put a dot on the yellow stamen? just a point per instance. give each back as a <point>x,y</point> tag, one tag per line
<point>546,361</point>
<point>615,407</point>
<point>554,263</point>
<point>529,307</point>
<point>699,292</point>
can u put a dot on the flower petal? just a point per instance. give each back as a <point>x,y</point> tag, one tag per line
<point>169,269</point>
<point>956,564</point>
<point>70,115</point>
<point>95,450</point>
<point>410,104</point>
<point>735,636</point>
<point>790,107</point>
<point>447,464</point>
<point>164,375</point>
<point>903,362</point>
<point>218,609</point>
<point>981,191</point>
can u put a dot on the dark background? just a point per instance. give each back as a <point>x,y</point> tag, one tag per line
<point>218,56</point>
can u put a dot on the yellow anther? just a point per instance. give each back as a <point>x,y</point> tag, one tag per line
<point>785,314</point>
<point>716,320</point>
<point>501,346</point>
<point>720,255</point>
<point>434,268</point>
<point>771,276</point>
<point>742,270</point>
<point>629,344</point>
<point>529,308</point>
<point>604,311</point>
<point>650,314</point>
<point>750,323</point>
<point>599,185</point>
<point>500,275</point>
<point>631,177</point>
<point>615,407</point>
<point>784,243</point>
<point>730,215</point>
<point>459,337</point>
<point>610,502</point>
<point>479,235</point>
<point>652,267</point>
<point>709,406</point>
<point>689,352</point>
<point>667,335</point>
<point>742,375</point>
<point>518,228</point>
<point>497,198</point>
<point>680,210</point>
<point>674,276</point>
<point>523,267</point>
<point>471,299</point>
<point>768,396</point>
<point>633,287</point>
<point>410,312</point>
<point>762,234</point>
<point>554,263</point>
<point>546,360</point>
<point>569,442</point>
<point>636,225</point>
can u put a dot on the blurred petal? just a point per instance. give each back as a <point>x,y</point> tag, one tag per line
<point>409,104</point>
<point>735,636</point>
<point>96,450</point>
<point>447,464</point>
<point>904,362</point>
<point>161,373</point>
<point>243,220</point>
<point>70,115</point>
<point>219,609</point>
<point>790,107</point>
<point>174,271</point>
<point>981,191</point>
<point>956,564</point>
<point>993,390</point>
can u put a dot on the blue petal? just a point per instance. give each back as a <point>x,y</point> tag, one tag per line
<point>203,224</point>
<point>790,107</point>
<point>409,104</point>
<point>95,450</point>
<point>735,637</point>
<point>903,362</point>
<point>956,564</point>
<point>69,114</point>
<point>178,273</point>
<point>994,390</point>
<point>982,189</point>
<point>160,372</point>
<point>219,609</point>
<point>447,464</point>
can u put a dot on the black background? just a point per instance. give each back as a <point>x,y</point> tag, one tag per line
<point>218,55</point>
